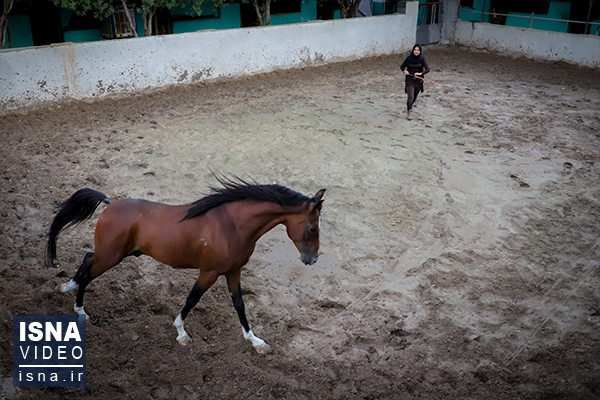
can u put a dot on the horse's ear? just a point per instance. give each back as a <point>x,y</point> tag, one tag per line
<point>318,206</point>
<point>319,200</point>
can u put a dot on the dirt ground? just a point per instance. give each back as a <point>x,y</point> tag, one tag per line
<point>460,250</point>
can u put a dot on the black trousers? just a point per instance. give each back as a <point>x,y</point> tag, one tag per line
<point>412,92</point>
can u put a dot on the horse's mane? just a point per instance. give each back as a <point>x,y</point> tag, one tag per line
<point>238,189</point>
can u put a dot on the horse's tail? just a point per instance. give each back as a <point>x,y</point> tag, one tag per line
<point>76,209</point>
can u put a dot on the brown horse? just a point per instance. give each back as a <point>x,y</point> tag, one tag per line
<point>216,235</point>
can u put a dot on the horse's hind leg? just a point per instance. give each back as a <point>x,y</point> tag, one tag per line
<point>82,279</point>
<point>84,268</point>
<point>91,268</point>
<point>233,282</point>
<point>204,282</point>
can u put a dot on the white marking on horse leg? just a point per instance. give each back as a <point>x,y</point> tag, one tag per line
<point>259,345</point>
<point>250,336</point>
<point>183,338</point>
<point>65,287</point>
<point>80,311</point>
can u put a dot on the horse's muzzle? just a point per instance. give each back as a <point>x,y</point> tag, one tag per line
<point>309,259</point>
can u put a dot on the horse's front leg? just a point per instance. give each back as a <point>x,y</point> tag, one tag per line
<point>204,282</point>
<point>233,281</point>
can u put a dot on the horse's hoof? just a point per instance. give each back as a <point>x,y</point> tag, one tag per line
<point>263,348</point>
<point>80,312</point>
<point>184,340</point>
<point>65,287</point>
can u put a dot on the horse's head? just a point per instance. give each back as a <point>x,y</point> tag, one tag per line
<point>303,228</point>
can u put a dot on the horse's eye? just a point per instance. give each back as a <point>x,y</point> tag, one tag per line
<point>312,229</point>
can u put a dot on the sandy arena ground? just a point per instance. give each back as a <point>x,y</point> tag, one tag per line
<point>460,250</point>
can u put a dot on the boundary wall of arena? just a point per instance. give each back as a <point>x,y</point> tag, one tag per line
<point>96,69</point>
<point>531,43</point>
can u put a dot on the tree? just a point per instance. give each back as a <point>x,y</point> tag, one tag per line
<point>6,7</point>
<point>348,8</point>
<point>130,23</point>
<point>263,11</point>
<point>150,7</point>
<point>100,9</point>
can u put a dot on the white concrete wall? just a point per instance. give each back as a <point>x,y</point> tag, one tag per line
<point>96,69</point>
<point>531,43</point>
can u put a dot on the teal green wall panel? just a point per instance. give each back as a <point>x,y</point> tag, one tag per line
<point>595,29</point>
<point>555,11</point>
<point>230,19</point>
<point>77,36</point>
<point>308,12</point>
<point>65,15</point>
<point>474,14</point>
<point>89,35</point>
<point>20,31</point>
<point>282,19</point>
<point>205,11</point>
<point>139,20</point>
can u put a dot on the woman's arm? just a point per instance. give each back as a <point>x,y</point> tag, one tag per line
<point>425,67</point>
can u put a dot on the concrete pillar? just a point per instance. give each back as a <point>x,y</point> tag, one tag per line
<point>451,15</point>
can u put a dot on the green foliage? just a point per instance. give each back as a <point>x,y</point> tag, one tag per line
<point>103,8</point>
<point>150,6</point>
<point>98,8</point>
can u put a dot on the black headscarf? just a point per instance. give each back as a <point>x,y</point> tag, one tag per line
<point>412,59</point>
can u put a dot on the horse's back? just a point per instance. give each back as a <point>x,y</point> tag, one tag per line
<point>126,212</point>
<point>121,220</point>
<point>154,229</point>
